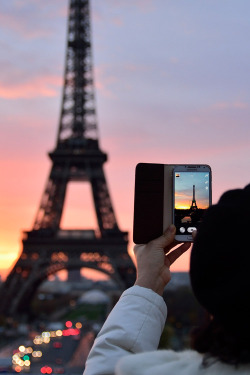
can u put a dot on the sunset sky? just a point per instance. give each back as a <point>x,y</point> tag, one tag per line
<point>172,86</point>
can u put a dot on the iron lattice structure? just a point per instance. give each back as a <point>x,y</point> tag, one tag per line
<point>76,157</point>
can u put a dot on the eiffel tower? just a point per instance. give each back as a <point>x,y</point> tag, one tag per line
<point>193,206</point>
<point>77,157</point>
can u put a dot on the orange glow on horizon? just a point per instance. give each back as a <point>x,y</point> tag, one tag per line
<point>9,253</point>
<point>18,213</point>
<point>182,207</point>
<point>8,259</point>
<point>185,205</point>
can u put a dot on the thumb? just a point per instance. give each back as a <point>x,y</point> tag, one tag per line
<point>167,238</point>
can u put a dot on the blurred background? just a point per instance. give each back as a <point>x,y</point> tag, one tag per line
<point>172,86</point>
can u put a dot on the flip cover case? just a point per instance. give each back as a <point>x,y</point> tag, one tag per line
<point>152,201</point>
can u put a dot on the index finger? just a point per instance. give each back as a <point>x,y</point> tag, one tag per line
<point>176,253</point>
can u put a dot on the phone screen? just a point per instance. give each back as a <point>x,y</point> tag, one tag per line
<point>192,196</point>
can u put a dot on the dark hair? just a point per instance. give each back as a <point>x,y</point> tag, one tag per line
<point>219,273</point>
<point>229,343</point>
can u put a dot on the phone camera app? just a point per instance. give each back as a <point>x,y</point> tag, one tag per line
<point>191,200</point>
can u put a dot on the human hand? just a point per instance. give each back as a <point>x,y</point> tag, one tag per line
<point>154,260</point>
<point>194,233</point>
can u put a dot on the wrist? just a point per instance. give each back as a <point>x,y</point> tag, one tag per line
<point>157,287</point>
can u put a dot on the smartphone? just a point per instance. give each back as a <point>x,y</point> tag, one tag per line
<point>192,195</point>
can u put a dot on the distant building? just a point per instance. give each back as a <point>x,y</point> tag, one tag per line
<point>93,297</point>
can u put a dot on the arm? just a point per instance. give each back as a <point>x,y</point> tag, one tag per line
<point>136,322</point>
<point>134,325</point>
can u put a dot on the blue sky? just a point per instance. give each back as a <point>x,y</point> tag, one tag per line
<point>172,86</point>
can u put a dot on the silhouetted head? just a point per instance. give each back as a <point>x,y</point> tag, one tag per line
<point>220,258</point>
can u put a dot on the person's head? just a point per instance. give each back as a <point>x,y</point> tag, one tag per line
<point>220,275</point>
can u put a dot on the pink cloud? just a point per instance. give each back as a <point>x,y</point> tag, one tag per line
<point>227,105</point>
<point>136,67</point>
<point>108,79</point>
<point>174,60</point>
<point>145,5</point>
<point>118,21</point>
<point>39,87</point>
<point>240,105</point>
<point>28,18</point>
<point>20,26</point>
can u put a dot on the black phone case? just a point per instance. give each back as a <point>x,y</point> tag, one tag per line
<point>148,202</point>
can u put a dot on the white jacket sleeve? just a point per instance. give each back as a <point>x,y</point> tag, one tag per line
<point>134,325</point>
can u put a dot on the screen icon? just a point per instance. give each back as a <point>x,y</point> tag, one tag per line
<point>191,229</point>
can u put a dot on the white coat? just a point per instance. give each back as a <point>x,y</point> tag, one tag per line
<point>127,343</point>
